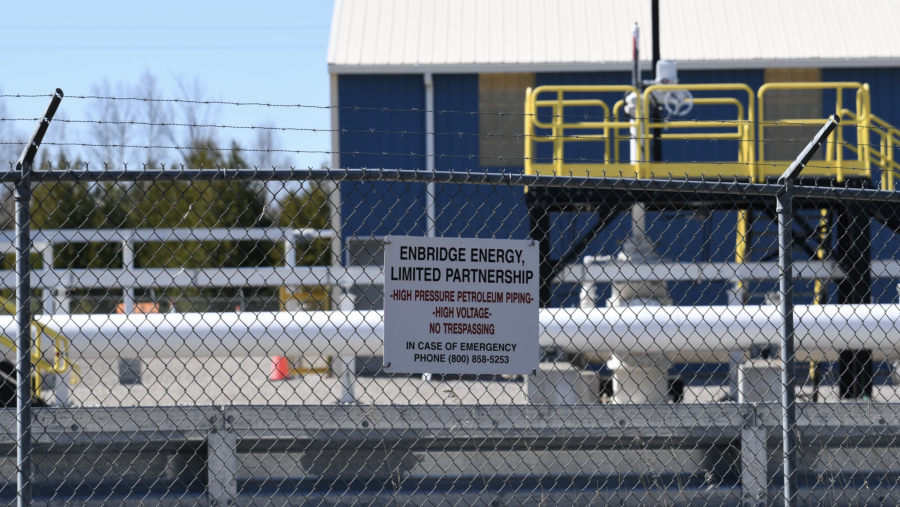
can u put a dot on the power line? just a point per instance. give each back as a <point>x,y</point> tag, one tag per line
<point>164,27</point>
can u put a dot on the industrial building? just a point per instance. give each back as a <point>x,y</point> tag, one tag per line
<point>474,63</point>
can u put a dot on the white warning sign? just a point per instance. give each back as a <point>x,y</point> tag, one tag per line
<point>455,305</point>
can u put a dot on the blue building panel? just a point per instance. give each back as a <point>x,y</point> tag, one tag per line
<point>881,89</point>
<point>382,124</point>
<point>470,210</point>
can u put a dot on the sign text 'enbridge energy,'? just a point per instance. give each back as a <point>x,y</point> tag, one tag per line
<point>455,305</point>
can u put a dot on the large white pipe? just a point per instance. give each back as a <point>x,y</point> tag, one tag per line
<point>431,187</point>
<point>649,330</point>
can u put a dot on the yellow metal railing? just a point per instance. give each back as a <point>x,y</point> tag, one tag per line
<point>552,99</point>
<point>60,364</point>
<point>747,128</point>
<point>843,157</point>
<point>611,130</point>
<point>835,165</point>
<point>740,129</point>
<point>887,139</point>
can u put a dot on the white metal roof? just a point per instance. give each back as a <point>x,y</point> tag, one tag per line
<point>414,36</point>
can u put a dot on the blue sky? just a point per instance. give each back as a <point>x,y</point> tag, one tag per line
<point>272,52</point>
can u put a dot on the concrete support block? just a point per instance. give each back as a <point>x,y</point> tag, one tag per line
<point>735,358</point>
<point>130,370</point>
<point>345,369</point>
<point>754,479</point>
<point>562,384</point>
<point>221,466</point>
<point>759,381</point>
<point>639,379</point>
<point>62,390</point>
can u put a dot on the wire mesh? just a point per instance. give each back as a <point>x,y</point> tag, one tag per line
<point>213,335</point>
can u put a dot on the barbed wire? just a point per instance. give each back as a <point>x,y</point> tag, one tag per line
<point>436,111</point>
<point>404,132</point>
<point>365,131</point>
<point>540,160</point>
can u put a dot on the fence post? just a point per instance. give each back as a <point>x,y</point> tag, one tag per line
<point>784,206</point>
<point>22,196</point>
<point>23,340</point>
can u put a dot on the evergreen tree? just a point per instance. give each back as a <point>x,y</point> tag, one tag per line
<point>307,207</point>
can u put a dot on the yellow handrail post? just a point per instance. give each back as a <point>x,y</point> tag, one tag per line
<point>742,248</point>
<point>616,140</point>
<point>864,135</point>
<point>833,144</point>
<point>529,132</point>
<point>821,254</point>
<point>558,133</point>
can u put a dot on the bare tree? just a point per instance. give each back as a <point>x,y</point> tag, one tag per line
<point>157,116</point>
<point>11,143</point>
<point>194,113</point>
<point>265,156</point>
<point>113,132</point>
<point>9,153</point>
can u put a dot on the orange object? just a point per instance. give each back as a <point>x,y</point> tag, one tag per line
<point>140,307</point>
<point>281,370</point>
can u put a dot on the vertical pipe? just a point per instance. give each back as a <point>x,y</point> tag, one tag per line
<point>49,299</point>
<point>634,145</point>
<point>635,57</point>
<point>291,303</point>
<point>654,32</point>
<point>654,114</point>
<point>638,223</point>
<point>334,196</point>
<point>638,212</point>
<point>431,187</point>
<point>784,208</point>
<point>23,342</point>
<point>128,265</point>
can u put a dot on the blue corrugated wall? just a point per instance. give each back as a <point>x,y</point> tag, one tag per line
<point>375,138</point>
<point>470,210</point>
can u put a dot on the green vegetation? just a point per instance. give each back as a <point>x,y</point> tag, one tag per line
<point>202,204</point>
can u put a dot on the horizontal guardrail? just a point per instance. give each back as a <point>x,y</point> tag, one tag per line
<point>203,443</point>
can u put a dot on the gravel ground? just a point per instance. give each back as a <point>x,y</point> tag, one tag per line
<point>223,381</point>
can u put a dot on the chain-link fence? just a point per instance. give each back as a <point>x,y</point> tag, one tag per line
<point>173,337</point>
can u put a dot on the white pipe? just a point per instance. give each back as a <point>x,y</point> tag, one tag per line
<point>334,192</point>
<point>638,223</point>
<point>49,299</point>
<point>290,261</point>
<point>431,187</point>
<point>650,330</point>
<point>128,264</point>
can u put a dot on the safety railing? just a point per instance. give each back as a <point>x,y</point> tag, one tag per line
<point>549,119</point>
<point>836,164</point>
<point>886,139</point>
<point>53,361</point>
<point>740,129</point>
<point>600,119</point>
